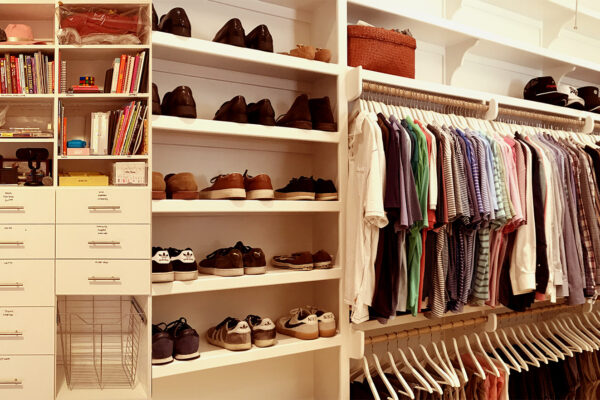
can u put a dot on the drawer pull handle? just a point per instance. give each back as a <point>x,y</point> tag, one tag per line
<point>11,333</point>
<point>98,208</point>
<point>109,243</point>
<point>15,381</point>
<point>11,208</point>
<point>104,278</point>
<point>16,284</point>
<point>12,243</point>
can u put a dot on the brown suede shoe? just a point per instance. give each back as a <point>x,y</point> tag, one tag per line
<point>158,186</point>
<point>298,115</point>
<point>302,51</point>
<point>322,260</point>
<point>179,103</point>
<point>231,33</point>
<point>261,113</point>
<point>323,55</point>
<point>260,39</point>
<point>229,186</point>
<point>223,262</point>
<point>298,261</point>
<point>181,186</point>
<point>155,100</point>
<point>176,22</point>
<point>253,258</point>
<point>321,115</point>
<point>234,110</point>
<point>258,187</point>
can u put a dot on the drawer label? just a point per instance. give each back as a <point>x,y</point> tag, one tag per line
<point>7,262</point>
<point>4,358</point>
<point>102,229</point>
<point>103,262</point>
<point>7,312</point>
<point>102,195</point>
<point>8,197</point>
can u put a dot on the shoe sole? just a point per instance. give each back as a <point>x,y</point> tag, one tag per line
<point>325,126</point>
<point>297,267</point>
<point>255,270</point>
<point>327,332</point>
<point>260,194</point>
<point>163,277</point>
<point>186,275</point>
<point>184,195</point>
<point>159,195</point>
<point>182,111</point>
<point>228,271</point>
<point>299,124</point>
<point>229,346</point>
<point>326,196</point>
<point>299,335</point>
<point>206,271</point>
<point>265,342</point>
<point>235,193</point>
<point>322,265</point>
<point>295,196</point>
<point>161,361</point>
<point>187,357</point>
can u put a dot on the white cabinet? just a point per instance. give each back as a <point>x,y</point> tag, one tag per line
<point>26,330</point>
<point>103,241</point>
<point>27,283</point>
<point>27,377</point>
<point>27,241</point>
<point>27,206</point>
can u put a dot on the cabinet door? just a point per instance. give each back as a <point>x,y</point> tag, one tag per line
<point>27,241</point>
<point>104,206</point>
<point>27,377</point>
<point>103,241</point>
<point>27,282</point>
<point>27,206</point>
<point>26,330</point>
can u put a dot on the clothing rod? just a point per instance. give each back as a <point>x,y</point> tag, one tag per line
<point>507,111</point>
<point>535,311</point>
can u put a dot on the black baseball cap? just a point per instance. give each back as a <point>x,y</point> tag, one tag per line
<point>590,95</point>
<point>543,89</point>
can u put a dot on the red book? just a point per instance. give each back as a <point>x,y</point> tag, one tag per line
<point>14,75</point>
<point>122,68</point>
<point>64,136</point>
<point>2,76</point>
<point>133,86</point>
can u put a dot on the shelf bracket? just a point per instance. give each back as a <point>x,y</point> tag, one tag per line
<point>552,27</point>
<point>353,83</point>
<point>559,72</point>
<point>452,7</point>
<point>492,112</point>
<point>455,56</point>
<point>589,125</point>
<point>357,344</point>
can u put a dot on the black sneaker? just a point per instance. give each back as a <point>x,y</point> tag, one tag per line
<point>186,340</point>
<point>162,270</point>
<point>302,188</point>
<point>184,264</point>
<point>162,345</point>
<point>254,259</point>
<point>325,190</point>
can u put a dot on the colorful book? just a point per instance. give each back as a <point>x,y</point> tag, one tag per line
<point>122,69</point>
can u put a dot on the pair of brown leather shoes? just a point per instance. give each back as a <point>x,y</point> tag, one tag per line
<point>238,186</point>
<point>175,21</point>
<point>180,186</point>
<point>233,33</point>
<point>309,114</point>
<point>236,110</point>
<point>178,103</point>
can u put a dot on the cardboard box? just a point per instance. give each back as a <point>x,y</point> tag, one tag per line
<point>74,151</point>
<point>82,179</point>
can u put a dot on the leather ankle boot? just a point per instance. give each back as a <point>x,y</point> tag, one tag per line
<point>261,113</point>
<point>234,110</point>
<point>260,39</point>
<point>321,114</point>
<point>179,103</point>
<point>155,100</point>
<point>176,22</point>
<point>298,115</point>
<point>231,33</point>
<point>154,19</point>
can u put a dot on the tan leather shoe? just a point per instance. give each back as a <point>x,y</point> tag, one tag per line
<point>323,55</point>
<point>229,186</point>
<point>302,51</point>
<point>158,186</point>
<point>181,186</point>
<point>258,187</point>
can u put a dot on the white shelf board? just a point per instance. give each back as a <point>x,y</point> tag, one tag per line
<point>444,32</point>
<point>64,393</point>
<point>274,276</point>
<point>27,10</point>
<point>44,48</point>
<point>191,207</point>
<point>214,357</point>
<point>307,5</point>
<point>26,140</point>
<point>133,157</point>
<point>226,57</point>
<point>102,96</point>
<point>28,97</point>
<point>203,127</point>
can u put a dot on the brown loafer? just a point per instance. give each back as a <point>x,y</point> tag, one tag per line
<point>179,103</point>
<point>231,33</point>
<point>258,187</point>
<point>181,186</point>
<point>323,55</point>
<point>234,110</point>
<point>302,51</point>
<point>223,262</point>
<point>298,261</point>
<point>260,39</point>
<point>229,186</point>
<point>176,22</point>
<point>261,113</point>
<point>158,186</point>
<point>298,115</point>
<point>155,100</point>
<point>322,260</point>
<point>321,114</point>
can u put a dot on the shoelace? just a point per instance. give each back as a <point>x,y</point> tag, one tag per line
<point>254,319</point>
<point>181,323</point>
<point>226,321</point>
<point>240,246</point>
<point>214,178</point>
<point>222,252</point>
<point>158,327</point>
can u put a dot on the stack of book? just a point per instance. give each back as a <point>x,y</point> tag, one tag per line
<point>127,74</point>
<point>127,128</point>
<point>24,133</point>
<point>26,74</point>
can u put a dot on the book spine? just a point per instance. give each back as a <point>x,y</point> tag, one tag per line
<point>115,77</point>
<point>34,74</point>
<point>63,77</point>
<point>126,117</point>
<point>141,72</point>
<point>23,75</point>
<point>64,135</point>
<point>130,61</point>
<point>13,75</point>
<point>134,76</point>
<point>2,77</point>
<point>8,74</point>
<point>122,68</point>
<point>29,75</point>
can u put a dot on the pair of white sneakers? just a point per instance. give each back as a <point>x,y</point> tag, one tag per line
<point>307,323</point>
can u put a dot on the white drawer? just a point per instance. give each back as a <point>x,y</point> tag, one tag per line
<point>26,206</point>
<point>27,282</point>
<point>103,241</point>
<point>103,277</point>
<point>105,206</point>
<point>27,241</point>
<point>26,330</point>
<point>27,377</point>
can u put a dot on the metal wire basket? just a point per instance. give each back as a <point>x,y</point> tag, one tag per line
<point>100,339</point>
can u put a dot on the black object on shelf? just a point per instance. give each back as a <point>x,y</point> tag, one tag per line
<point>34,157</point>
<point>8,176</point>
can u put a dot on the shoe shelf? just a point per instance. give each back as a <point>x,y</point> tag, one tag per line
<point>206,283</point>
<point>203,127</point>
<point>217,55</point>
<point>195,207</point>
<point>214,357</point>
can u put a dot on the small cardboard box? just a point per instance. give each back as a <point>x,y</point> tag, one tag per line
<point>74,151</point>
<point>82,179</point>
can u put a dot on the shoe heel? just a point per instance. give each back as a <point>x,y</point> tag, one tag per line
<point>183,111</point>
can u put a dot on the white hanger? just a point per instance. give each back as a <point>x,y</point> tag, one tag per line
<point>495,353</point>
<point>446,367</point>
<point>407,389</point>
<point>522,363</point>
<point>591,324</point>
<point>459,360</point>
<point>425,374</point>
<point>532,360</point>
<point>585,337</point>
<point>591,334</point>
<point>565,349</point>
<point>550,349</point>
<point>494,371</point>
<point>428,360</point>
<point>424,384</point>
<point>449,364</point>
<point>574,336</point>
<point>549,354</point>
<point>527,341</point>
<point>384,378</point>
<point>480,372</point>
<point>513,363</point>
<point>370,379</point>
<point>564,336</point>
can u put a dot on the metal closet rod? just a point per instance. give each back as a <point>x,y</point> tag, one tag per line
<point>535,311</point>
<point>507,111</point>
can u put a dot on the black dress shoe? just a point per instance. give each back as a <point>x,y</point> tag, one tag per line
<point>154,19</point>
<point>155,100</point>
<point>261,113</point>
<point>234,110</point>
<point>231,33</point>
<point>179,103</point>
<point>260,39</point>
<point>176,22</point>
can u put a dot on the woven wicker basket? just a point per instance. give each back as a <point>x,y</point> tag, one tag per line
<point>381,50</point>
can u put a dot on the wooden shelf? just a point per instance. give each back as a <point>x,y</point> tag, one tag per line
<point>214,357</point>
<point>206,283</point>
<point>217,55</point>
<point>199,207</point>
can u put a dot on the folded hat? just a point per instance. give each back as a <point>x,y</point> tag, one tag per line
<point>17,34</point>
<point>590,95</point>
<point>573,101</point>
<point>543,89</point>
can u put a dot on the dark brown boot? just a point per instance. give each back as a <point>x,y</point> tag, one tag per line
<point>234,110</point>
<point>298,115</point>
<point>231,33</point>
<point>321,115</point>
<point>261,113</point>
<point>176,22</point>
<point>260,39</point>
<point>155,100</point>
<point>154,19</point>
<point>179,103</point>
